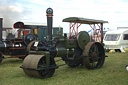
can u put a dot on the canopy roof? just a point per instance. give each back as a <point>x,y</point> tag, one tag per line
<point>83,20</point>
<point>21,25</point>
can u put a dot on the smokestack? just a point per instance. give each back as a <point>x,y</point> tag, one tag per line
<point>1,29</point>
<point>49,15</point>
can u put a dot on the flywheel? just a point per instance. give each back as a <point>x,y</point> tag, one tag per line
<point>28,38</point>
<point>33,66</point>
<point>82,39</point>
<point>93,55</point>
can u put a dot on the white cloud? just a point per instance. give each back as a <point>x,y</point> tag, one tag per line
<point>2,0</point>
<point>15,9</point>
<point>114,11</point>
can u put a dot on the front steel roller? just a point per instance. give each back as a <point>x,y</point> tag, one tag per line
<point>34,65</point>
<point>93,55</point>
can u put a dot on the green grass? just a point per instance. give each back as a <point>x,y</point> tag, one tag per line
<point>112,73</point>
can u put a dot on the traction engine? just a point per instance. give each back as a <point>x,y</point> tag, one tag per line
<point>75,51</point>
<point>14,47</point>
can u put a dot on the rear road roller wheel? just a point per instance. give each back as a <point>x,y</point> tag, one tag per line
<point>93,55</point>
<point>33,64</point>
<point>1,57</point>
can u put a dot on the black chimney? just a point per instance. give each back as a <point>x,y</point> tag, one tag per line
<point>1,29</point>
<point>49,15</point>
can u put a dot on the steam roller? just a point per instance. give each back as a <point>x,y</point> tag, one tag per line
<point>76,51</point>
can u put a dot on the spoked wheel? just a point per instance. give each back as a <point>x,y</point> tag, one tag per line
<point>1,57</point>
<point>33,66</point>
<point>94,55</point>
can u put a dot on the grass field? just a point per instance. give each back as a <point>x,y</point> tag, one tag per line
<point>112,73</point>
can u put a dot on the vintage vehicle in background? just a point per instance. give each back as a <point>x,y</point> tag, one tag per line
<point>15,47</point>
<point>116,39</point>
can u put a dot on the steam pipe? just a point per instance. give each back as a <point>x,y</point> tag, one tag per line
<point>1,29</point>
<point>49,15</point>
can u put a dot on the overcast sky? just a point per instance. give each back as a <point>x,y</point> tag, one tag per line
<point>113,11</point>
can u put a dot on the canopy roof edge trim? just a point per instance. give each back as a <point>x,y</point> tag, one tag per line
<point>83,20</point>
